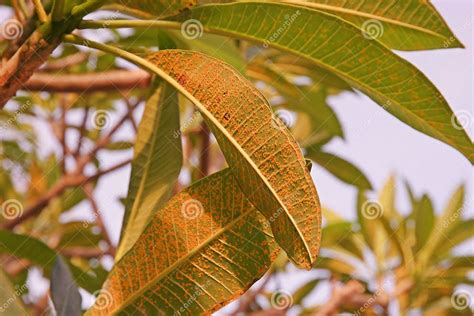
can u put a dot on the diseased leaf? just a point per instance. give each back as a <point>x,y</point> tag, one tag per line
<point>202,250</point>
<point>64,292</point>
<point>10,297</point>
<point>340,168</point>
<point>156,164</point>
<point>261,152</point>
<point>38,253</point>
<point>340,47</point>
<point>403,25</point>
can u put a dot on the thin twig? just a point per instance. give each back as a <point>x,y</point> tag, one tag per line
<point>88,189</point>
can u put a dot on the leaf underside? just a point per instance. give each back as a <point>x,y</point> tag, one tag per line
<point>202,250</point>
<point>261,152</point>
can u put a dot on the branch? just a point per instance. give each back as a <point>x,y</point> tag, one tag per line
<point>90,82</point>
<point>56,190</point>
<point>65,62</point>
<point>30,56</point>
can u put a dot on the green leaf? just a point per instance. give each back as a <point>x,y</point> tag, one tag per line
<point>338,236</point>
<point>335,265</point>
<point>156,164</point>
<point>402,25</point>
<point>202,250</point>
<point>459,233</point>
<point>302,67</point>
<point>10,297</point>
<point>259,149</point>
<point>424,221</point>
<point>367,213</point>
<point>340,47</point>
<point>340,168</point>
<point>64,292</point>
<point>450,217</point>
<point>23,246</point>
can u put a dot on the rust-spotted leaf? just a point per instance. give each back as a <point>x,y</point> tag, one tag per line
<point>203,249</point>
<point>261,152</point>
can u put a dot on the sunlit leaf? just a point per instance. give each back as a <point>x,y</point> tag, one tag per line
<point>259,149</point>
<point>156,164</point>
<point>202,250</point>
<point>450,217</point>
<point>424,221</point>
<point>342,48</point>
<point>403,25</point>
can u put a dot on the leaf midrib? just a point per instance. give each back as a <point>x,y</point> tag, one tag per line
<point>180,261</point>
